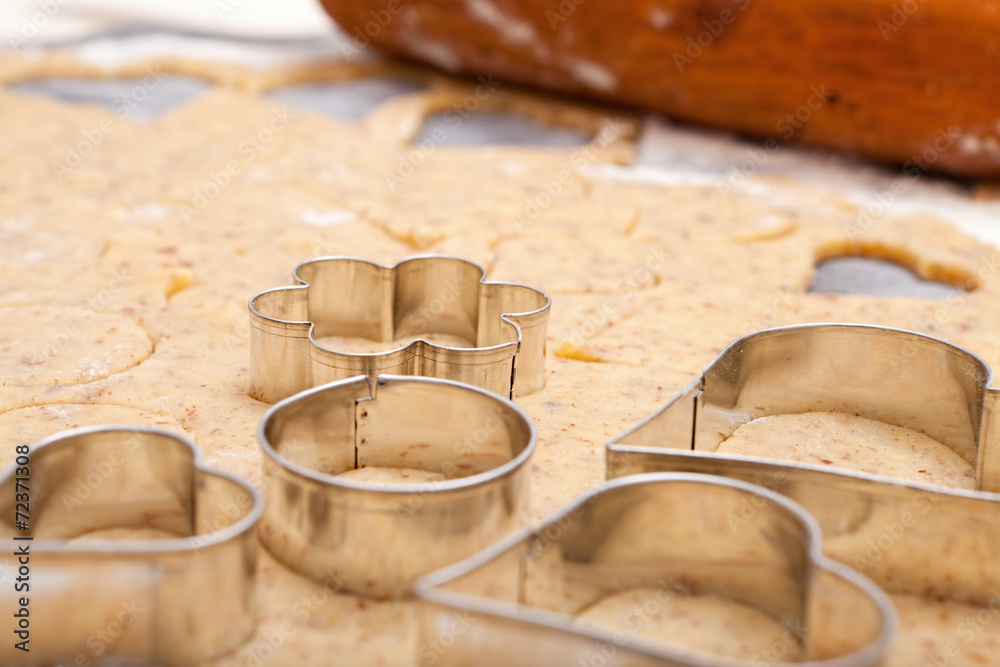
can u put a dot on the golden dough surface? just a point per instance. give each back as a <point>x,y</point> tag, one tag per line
<point>132,268</point>
<point>946,633</point>
<point>42,346</point>
<point>705,623</point>
<point>29,425</point>
<point>847,441</point>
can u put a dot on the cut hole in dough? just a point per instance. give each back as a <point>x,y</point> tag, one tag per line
<point>346,100</point>
<point>459,127</point>
<point>138,100</point>
<point>875,277</point>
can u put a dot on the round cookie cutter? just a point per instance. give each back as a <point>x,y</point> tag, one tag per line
<point>344,296</point>
<point>376,539</point>
<point>171,602</point>
<point>672,534</point>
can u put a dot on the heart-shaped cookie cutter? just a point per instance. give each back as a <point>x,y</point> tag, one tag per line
<point>376,539</point>
<point>94,597</point>
<point>517,601</point>
<point>910,538</point>
<point>504,323</point>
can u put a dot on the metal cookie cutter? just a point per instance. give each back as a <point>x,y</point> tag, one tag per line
<point>376,539</point>
<point>910,538</point>
<point>503,323</point>
<point>97,596</point>
<point>663,536</point>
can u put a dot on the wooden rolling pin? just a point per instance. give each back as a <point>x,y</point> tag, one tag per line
<point>911,82</point>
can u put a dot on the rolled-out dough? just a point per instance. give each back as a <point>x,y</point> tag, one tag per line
<point>129,252</point>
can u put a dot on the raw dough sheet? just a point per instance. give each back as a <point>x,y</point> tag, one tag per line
<point>129,251</point>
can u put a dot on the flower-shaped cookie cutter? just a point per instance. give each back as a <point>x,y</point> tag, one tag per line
<point>175,601</point>
<point>911,538</point>
<point>504,324</point>
<point>376,539</point>
<point>666,535</point>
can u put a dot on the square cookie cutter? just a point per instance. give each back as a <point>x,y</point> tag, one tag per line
<point>504,323</point>
<point>376,539</point>
<point>176,601</point>
<point>910,538</point>
<point>668,535</point>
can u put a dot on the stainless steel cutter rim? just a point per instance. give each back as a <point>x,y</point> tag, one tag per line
<point>791,328</point>
<point>426,587</point>
<point>469,482</point>
<point>417,342</point>
<point>131,547</point>
<point>616,444</point>
<point>881,480</point>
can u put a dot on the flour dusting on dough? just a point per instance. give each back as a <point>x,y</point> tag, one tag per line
<point>327,218</point>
